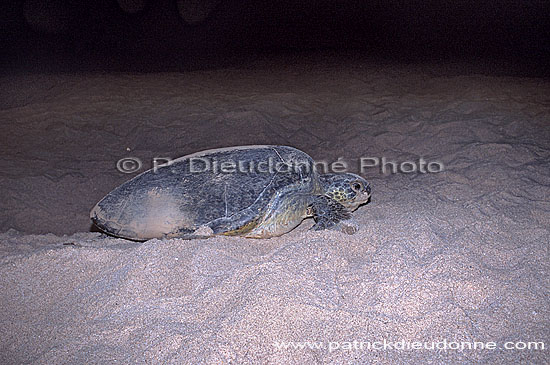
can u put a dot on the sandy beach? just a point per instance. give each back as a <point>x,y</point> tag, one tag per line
<point>454,256</point>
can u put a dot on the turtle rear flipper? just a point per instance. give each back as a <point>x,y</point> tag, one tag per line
<point>327,212</point>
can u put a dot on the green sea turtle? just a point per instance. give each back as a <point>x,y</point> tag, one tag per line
<point>251,191</point>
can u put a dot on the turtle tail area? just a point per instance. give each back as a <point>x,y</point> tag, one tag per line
<point>112,228</point>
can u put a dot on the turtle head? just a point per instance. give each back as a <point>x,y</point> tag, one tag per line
<point>348,189</point>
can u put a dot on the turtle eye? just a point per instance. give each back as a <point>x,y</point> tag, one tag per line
<point>356,186</point>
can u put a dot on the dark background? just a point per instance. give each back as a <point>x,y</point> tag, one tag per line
<point>176,35</point>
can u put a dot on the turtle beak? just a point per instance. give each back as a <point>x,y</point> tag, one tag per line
<point>361,198</point>
<point>365,194</point>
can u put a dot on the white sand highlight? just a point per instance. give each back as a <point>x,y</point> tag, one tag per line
<point>460,255</point>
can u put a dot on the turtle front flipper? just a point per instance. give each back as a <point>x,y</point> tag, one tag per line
<point>284,212</point>
<point>327,212</point>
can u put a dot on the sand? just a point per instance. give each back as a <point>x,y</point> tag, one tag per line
<point>454,256</point>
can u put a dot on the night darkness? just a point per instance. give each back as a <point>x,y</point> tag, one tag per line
<point>170,34</point>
